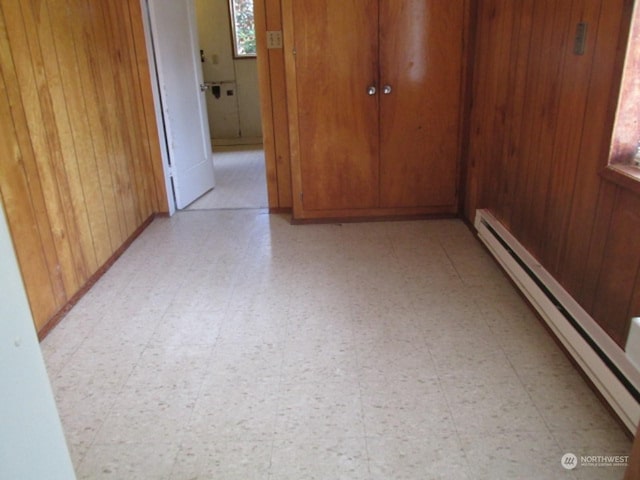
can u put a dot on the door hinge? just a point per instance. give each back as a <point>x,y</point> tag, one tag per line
<point>170,171</point>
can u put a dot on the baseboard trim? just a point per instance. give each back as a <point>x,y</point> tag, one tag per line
<point>236,142</point>
<point>280,210</point>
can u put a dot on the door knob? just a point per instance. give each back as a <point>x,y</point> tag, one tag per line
<point>386,89</point>
<point>371,90</point>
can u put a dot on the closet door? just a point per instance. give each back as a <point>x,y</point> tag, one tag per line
<point>335,155</point>
<point>421,58</point>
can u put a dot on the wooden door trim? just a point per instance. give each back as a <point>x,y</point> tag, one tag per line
<point>266,104</point>
<point>292,107</point>
<point>466,98</point>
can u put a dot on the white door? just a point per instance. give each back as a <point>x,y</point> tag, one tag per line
<point>175,40</point>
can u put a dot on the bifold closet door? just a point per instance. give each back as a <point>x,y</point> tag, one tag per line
<point>421,62</point>
<point>336,63</point>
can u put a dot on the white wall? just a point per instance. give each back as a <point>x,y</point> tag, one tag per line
<point>235,117</point>
<point>248,97</point>
<point>32,443</point>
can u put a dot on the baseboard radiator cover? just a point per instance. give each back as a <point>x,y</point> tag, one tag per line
<point>602,360</point>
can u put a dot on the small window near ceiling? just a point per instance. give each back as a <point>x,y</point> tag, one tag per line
<point>243,28</point>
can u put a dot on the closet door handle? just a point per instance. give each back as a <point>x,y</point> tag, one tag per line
<point>387,89</point>
<point>371,91</point>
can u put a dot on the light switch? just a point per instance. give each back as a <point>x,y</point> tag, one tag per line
<point>274,39</point>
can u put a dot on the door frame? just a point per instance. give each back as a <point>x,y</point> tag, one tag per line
<point>157,104</point>
<point>267,13</point>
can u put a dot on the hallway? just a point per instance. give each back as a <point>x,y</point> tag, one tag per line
<point>232,345</point>
<point>240,179</point>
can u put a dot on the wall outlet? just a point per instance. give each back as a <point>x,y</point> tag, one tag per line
<point>274,39</point>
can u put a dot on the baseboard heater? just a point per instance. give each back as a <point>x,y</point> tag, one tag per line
<point>603,361</point>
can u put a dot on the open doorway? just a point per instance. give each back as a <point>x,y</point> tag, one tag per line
<point>240,179</point>
<point>230,72</point>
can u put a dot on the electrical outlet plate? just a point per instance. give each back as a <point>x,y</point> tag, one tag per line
<point>581,39</point>
<point>274,39</point>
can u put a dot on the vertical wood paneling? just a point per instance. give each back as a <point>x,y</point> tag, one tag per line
<point>555,55</point>
<point>25,106</point>
<point>597,244</point>
<point>573,103</point>
<point>105,203</point>
<point>593,148</point>
<point>617,278</point>
<point>116,23</point>
<point>540,130</point>
<point>73,88</point>
<point>102,78</point>
<point>516,112</point>
<point>20,209</point>
<point>79,151</point>
<point>544,65</point>
<point>54,175</point>
<point>78,229</point>
<point>488,120</point>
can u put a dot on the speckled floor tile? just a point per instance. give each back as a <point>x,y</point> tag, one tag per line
<point>390,359</point>
<point>142,414</point>
<point>230,344</point>
<point>235,411</point>
<point>315,362</point>
<point>183,327</point>
<point>436,456</point>
<point>567,403</point>
<point>141,461</point>
<point>308,457</point>
<point>521,455</point>
<point>205,457</point>
<point>245,364</point>
<point>493,408</point>
<point>252,328</point>
<point>324,409</point>
<point>405,409</point>
<point>162,366</point>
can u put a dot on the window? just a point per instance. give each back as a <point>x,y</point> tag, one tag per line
<point>242,28</point>
<point>623,166</point>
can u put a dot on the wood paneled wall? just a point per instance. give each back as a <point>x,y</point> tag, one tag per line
<point>79,152</point>
<point>540,131</point>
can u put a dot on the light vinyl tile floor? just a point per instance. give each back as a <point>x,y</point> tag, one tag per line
<point>241,179</point>
<point>232,345</point>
